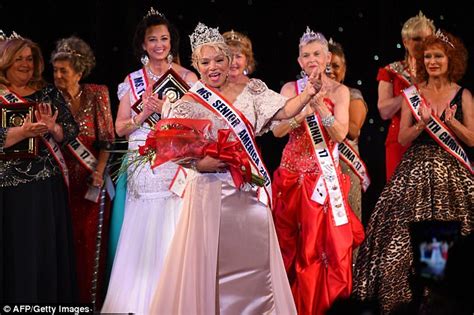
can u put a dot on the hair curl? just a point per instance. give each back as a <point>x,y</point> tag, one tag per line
<point>9,49</point>
<point>77,52</point>
<point>457,57</point>
<point>242,43</point>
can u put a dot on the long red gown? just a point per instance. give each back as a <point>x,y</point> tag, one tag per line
<point>397,74</point>
<point>317,254</point>
<point>96,124</point>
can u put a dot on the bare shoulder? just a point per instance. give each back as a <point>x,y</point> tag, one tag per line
<point>186,74</point>
<point>288,89</point>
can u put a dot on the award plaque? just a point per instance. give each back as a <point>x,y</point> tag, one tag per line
<point>170,85</point>
<point>14,115</point>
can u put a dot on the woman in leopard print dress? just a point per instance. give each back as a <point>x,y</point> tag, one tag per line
<point>429,184</point>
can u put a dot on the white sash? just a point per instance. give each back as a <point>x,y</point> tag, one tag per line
<point>353,160</point>
<point>328,183</point>
<point>242,129</point>
<point>7,96</point>
<point>138,83</point>
<point>89,161</point>
<point>437,129</point>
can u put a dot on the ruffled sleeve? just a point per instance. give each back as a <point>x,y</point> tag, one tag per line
<point>123,88</point>
<point>266,103</point>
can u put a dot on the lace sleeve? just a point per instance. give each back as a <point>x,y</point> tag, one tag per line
<point>123,88</point>
<point>187,109</point>
<point>267,103</point>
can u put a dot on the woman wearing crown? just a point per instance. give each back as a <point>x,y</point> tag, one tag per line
<point>224,257</point>
<point>395,77</point>
<point>435,179</point>
<point>315,224</point>
<point>151,209</point>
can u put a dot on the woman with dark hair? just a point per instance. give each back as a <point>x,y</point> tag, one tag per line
<point>73,61</point>
<point>435,178</point>
<point>151,209</point>
<point>36,247</point>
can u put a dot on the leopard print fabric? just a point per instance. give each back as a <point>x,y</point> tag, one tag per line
<point>429,184</point>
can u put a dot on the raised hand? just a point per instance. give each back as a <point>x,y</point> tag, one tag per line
<point>449,113</point>
<point>44,115</point>
<point>151,102</point>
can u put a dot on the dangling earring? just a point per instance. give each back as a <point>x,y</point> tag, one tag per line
<point>328,68</point>
<point>245,71</point>
<point>169,58</point>
<point>144,59</point>
<point>302,74</point>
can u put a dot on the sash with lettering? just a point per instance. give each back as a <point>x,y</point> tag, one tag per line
<point>242,129</point>
<point>7,96</point>
<point>89,162</point>
<point>437,129</point>
<point>328,183</point>
<point>138,83</point>
<point>353,160</point>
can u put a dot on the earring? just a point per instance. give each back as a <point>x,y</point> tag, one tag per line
<point>144,59</point>
<point>169,58</point>
<point>328,68</point>
<point>302,74</point>
<point>245,71</point>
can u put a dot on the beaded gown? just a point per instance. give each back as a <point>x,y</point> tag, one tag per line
<point>37,263</point>
<point>151,213</point>
<point>224,258</point>
<point>317,254</point>
<point>429,184</point>
<point>96,131</point>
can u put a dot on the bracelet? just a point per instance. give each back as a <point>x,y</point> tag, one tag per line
<point>193,165</point>
<point>328,121</point>
<point>293,123</point>
<point>134,123</point>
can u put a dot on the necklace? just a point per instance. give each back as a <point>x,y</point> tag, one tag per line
<point>77,96</point>
<point>153,76</point>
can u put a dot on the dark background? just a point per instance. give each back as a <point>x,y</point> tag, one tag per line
<point>369,32</point>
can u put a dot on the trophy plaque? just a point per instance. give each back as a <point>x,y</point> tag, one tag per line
<point>170,85</point>
<point>14,115</point>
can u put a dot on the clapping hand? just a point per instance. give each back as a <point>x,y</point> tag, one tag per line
<point>33,129</point>
<point>449,113</point>
<point>151,102</point>
<point>425,112</point>
<point>44,115</point>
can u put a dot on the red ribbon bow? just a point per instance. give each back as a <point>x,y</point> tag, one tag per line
<point>233,154</point>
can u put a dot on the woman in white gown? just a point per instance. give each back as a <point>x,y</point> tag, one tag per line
<point>224,257</point>
<point>151,209</point>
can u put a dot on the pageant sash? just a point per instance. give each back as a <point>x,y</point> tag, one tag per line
<point>325,159</point>
<point>437,129</point>
<point>353,160</point>
<point>7,96</point>
<point>242,129</point>
<point>87,159</point>
<point>138,83</point>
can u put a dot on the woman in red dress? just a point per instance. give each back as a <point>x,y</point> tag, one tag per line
<point>72,61</point>
<point>396,77</point>
<point>315,226</point>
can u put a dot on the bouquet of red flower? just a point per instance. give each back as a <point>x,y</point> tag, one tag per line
<point>176,139</point>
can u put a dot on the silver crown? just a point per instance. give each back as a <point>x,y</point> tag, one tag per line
<point>66,49</point>
<point>152,11</point>
<point>309,36</point>
<point>439,34</point>
<point>13,35</point>
<point>205,35</point>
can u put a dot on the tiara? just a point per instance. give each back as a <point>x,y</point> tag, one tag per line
<point>205,35</point>
<point>152,11</point>
<point>13,35</point>
<point>66,49</point>
<point>331,41</point>
<point>420,17</point>
<point>309,36</point>
<point>439,34</point>
<point>233,36</point>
